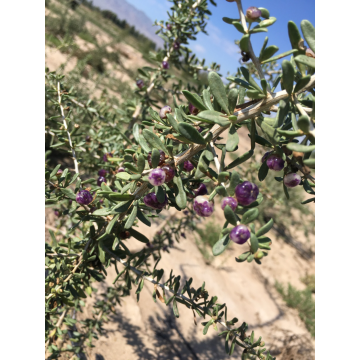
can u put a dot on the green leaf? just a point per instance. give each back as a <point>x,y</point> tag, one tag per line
<point>263,171</point>
<point>154,141</point>
<point>240,82</point>
<point>232,97</point>
<point>123,175</point>
<point>280,56</point>
<point>304,123</point>
<point>206,327</point>
<point>172,120</point>
<point>218,90</point>
<point>302,83</point>
<point>69,193</point>
<point>264,12</point>
<point>295,40</point>
<point>301,148</point>
<point>230,216</point>
<point>240,159</point>
<point>160,194</point>
<point>308,201</point>
<point>102,254</point>
<point>268,52</point>
<point>286,191</point>
<point>120,197</point>
<point>111,224</point>
<point>261,54</point>
<point>263,230</point>
<point>233,139</point>
<point>143,218</point>
<point>258,29</point>
<point>281,114</point>
<point>254,244</point>
<point>234,181</point>
<point>267,22</point>
<point>229,20</point>
<point>53,173</point>
<point>309,33</point>
<point>243,256</point>
<point>238,26</point>
<point>255,94</point>
<point>194,99</point>
<point>102,212</point>
<point>144,144</point>
<point>288,76</point>
<point>250,79</point>
<point>310,163</point>
<point>249,216</point>
<point>214,117</point>
<point>180,197</point>
<point>264,86</point>
<point>244,43</point>
<point>191,133</point>
<point>131,218</point>
<point>155,158</point>
<point>175,309</point>
<point>207,99</point>
<point>220,246</point>
<point>138,236</point>
<point>306,60</point>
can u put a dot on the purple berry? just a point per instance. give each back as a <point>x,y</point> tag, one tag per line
<point>162,158</point>
<point>169,173</point>
<point>186,212</point>
<point>291,180</point>
<point>203,207</point>
<point>87,138</point>
<point>83,197</point>
<point>201,190</point>
<point>70,202</point>
<point>169,27</point>
<point>176,45</point>
<point>92,209</point>
<point>229,201</point>
<point>253,13</point>
<point>102,172</point>
<point>165,65</point>
<point>100,180</point>
<point>188,166</point>
<point>105,157</point>
<point>101,201</point>
<point>59,172</point>
<point>164,248</point>
<point>266,155</point>
<point>139,83</point>
<point>164,110</point>
<point>246,193</point>
<point>192,109</point>
<point>151,200</point>
<point>157,177</point>
<point>200,129</point>
<point>240,234</point>
<point>121,169</point>
<point>275,162</point>
<point>56,213</point>
<point>183,235</point>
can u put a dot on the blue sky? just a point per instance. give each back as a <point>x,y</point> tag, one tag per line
<point>219,45</point>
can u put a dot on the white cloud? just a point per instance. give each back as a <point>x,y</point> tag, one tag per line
<point>199,49</point>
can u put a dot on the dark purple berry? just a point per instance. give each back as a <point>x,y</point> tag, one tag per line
<point>101,201</point>
<point>105,157</point>
<point>92,209</point>
<point>83,197</point>
<point>165,65</point>
<point>56,213</point>
<point>169,27</point>
<point>291,180</point>
<point>201,190</point>
<point>246,193</point>
<point>203,207</point>
<point>164,248</point>
<point>169,173</point>
<point>275,162</point>
<point>121,169</point>
<point>183,235</point>
<point>176,45</point>
<point>266,155</point>
<point>188,166</point>
<point>186,212</point>
<point>192,109</point>
<point>164,110</point>
<point>162,158</point>
<point>240,234</point>
<point>139,83</point>
<point>100,180</point>
<point>200,129</point>
<point>157,177</point>
<point>151,200</point>
<point>229,201</point>
<point>59,173</point>
<point>149,245</point>
<point>102,172</point>
<point>87,138</point>
<point>253,13</point>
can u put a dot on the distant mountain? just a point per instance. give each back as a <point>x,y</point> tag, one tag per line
<point>133,16</point>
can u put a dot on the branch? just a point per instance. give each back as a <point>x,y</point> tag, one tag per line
<point>66,129</point>
<point>254,59</point>
<point>178,295</point>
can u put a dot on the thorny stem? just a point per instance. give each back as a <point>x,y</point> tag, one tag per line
<point>253,57</point>
<point>179,295</point>
<point>66,129</point>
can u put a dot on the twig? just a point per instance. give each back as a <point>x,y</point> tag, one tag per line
<point>254,59</point>
<point>179,295</point>
<point>66,129</point>
<point>58,324</point>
